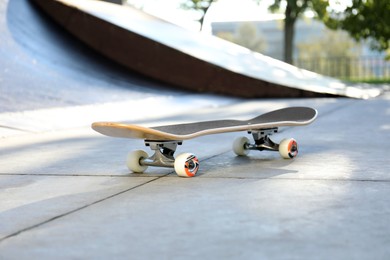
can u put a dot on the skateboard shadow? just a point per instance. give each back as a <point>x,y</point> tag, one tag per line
<point>256,165</point>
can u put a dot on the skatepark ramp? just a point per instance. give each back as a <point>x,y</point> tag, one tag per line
<point>123,54</point>
<point>192,61</point>
<point>42,66</point>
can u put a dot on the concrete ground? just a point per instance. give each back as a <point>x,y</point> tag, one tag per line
<point>66,192</point>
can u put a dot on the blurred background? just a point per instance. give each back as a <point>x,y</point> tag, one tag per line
<point>346,39</point>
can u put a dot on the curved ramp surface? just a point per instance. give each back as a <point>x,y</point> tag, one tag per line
<point>42,66</point>
<point>193,61</point>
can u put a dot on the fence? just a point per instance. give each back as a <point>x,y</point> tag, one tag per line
<point>362,68</point>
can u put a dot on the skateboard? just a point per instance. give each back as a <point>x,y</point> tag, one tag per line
<point>163,140</point>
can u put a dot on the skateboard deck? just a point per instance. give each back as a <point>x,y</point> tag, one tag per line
<point>164,139</point>
<point>293,116</point>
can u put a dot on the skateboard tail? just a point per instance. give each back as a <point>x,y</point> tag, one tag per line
<point>137,132</point>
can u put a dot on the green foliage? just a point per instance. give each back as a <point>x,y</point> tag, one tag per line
<point>247,36</point>
<point>372,81</point>
<point>323,56</point>
<point>330,44</point>
<point>201,5</point>
<point>365,19</point>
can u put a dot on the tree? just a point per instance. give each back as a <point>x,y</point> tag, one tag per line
<point>198,5</point>
<point>246,35</point>
<point>321,55</point>
<point>293,10</point>
<point>365,19</point>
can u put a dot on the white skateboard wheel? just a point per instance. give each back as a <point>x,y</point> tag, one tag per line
<point>186,165</point>
<point>239,146</point>
<point>133,161</point>
<point>288,148</point>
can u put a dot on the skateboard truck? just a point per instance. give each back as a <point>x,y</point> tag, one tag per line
<point>288,148</point>
<point>262,140</point>
<point>163,153</point>
<point>185,165</point>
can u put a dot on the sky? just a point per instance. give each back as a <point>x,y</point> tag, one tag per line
<point>223,10</point>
